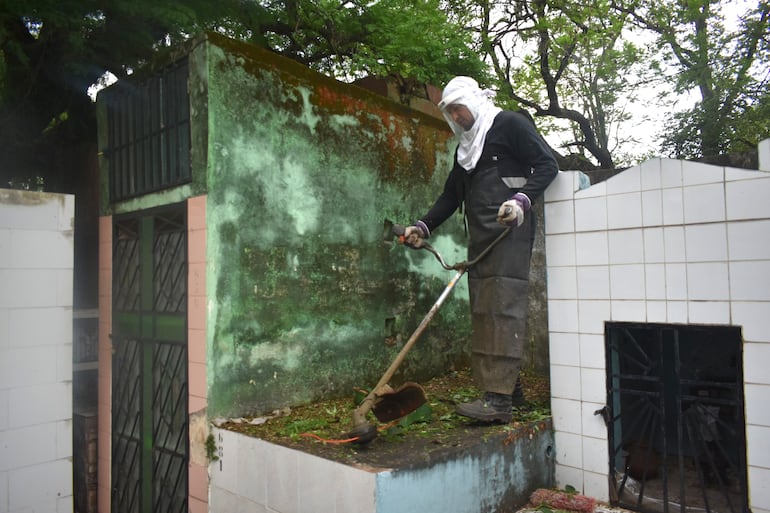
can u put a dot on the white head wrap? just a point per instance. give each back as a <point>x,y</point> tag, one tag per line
<point>466,91</point>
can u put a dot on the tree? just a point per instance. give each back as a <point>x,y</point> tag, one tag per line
<point>52,50</point>
<point>563,60</point>
<point>727,68</point>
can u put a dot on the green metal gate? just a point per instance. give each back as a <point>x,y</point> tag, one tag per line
<point>149,362</point>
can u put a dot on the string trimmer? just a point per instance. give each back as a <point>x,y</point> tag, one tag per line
<point>388,404</point>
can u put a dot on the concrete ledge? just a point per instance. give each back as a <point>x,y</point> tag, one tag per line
<point>495,473</point>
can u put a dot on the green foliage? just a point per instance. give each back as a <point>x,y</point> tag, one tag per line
<point>724,65</point>
<point>211,448</point>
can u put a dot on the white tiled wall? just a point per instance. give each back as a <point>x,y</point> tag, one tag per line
<point>242,483</point>
<point>36,256</point>
<point>667,242</point>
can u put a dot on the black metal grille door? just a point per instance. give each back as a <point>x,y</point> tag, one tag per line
<point>675,418</point>
<point>149,363</point>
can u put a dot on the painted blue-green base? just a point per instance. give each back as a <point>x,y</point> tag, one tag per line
<point>496,475</point>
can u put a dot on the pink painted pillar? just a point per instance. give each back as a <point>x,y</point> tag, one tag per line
<point>103,494</point>
<point>196,353</point>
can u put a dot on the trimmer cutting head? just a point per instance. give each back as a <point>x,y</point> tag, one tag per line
<point>364,433</point>
<point>400,403</point>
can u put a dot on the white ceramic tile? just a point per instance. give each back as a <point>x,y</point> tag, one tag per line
<point>569,449</point>
<point>39,404</point>
<point>627,310</point>
<point>674,244</point>
<point>593,423</point>
<point>592,351</point>
<point>592,315</point>
<point>753,318</point>
<point>36,487</point>
<point>564,349</point>
<point>38,326</point>
<point>624,210</point>
<point>595,191</point>
<point>628,180</point>
<point>593,282</point>
<point>757,397</point>
<point>316,477</point>
<point>29,366</point>
<point>748,240</point>
<point>676,282</point>
<point>253,462</point>
<point>593,384</point>
<point>759,488</point>
<point>562,282</point>
<point>627,281</point>
<point>3,408</point>
<point>562,316</point>
<point>566,415</point>
<point>4,491</point>
<point>41,250</point>
<point>282,484</point>
<point>670,173</point>
<point>652,207</point>
<point>708,281</point>
<point>750,281</point>
<point>756,356</point>
<point>591,248</point>
<point>657,311</point>
<point>735,174</point>
<point>697,173</point>
<point>562,187</point>
<point>650,174</point>
<point>560,249</point>
<point>763,154</point>
<point>595,455</point>
<point>653,245</point>
<point>626,246</point>
<point>706,242</point>
<point>673,206</point>
<point>676,311</point>
<point>596,486</point>
<point>559,217</point>
<point>708,312</point>
<point>591,214</point>
<point>28,288</point>
<point>30,445</point>
<point>758,446</point>
<point>355,491</point>
<point>565,382</point>
<point>747,199</point>
<point>567,476</point>
<point>704,203</point>
<point>655,281</point>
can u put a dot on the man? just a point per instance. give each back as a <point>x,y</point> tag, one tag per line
<point>501,166</point>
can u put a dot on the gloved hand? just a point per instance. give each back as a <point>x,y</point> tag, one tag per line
<point>511,212</point>
<point>415,235</point>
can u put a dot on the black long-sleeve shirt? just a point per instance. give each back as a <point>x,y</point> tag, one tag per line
<point>517,149</point>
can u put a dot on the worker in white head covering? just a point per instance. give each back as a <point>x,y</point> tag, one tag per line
<point>501,166</point>
<point>470,112</point>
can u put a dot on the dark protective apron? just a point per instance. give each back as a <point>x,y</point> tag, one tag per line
<point>498,284</point>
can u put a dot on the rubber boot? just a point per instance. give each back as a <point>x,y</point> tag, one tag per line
<point>492,408</point>
<point>517,397</point>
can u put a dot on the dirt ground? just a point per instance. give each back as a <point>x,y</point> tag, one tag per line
<point>434,429</point>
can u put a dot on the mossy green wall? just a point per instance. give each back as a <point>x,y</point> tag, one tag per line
<point>305,299</point>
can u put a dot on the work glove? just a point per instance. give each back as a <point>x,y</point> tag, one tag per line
<point>511,212</point>
<point>415,235</point>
